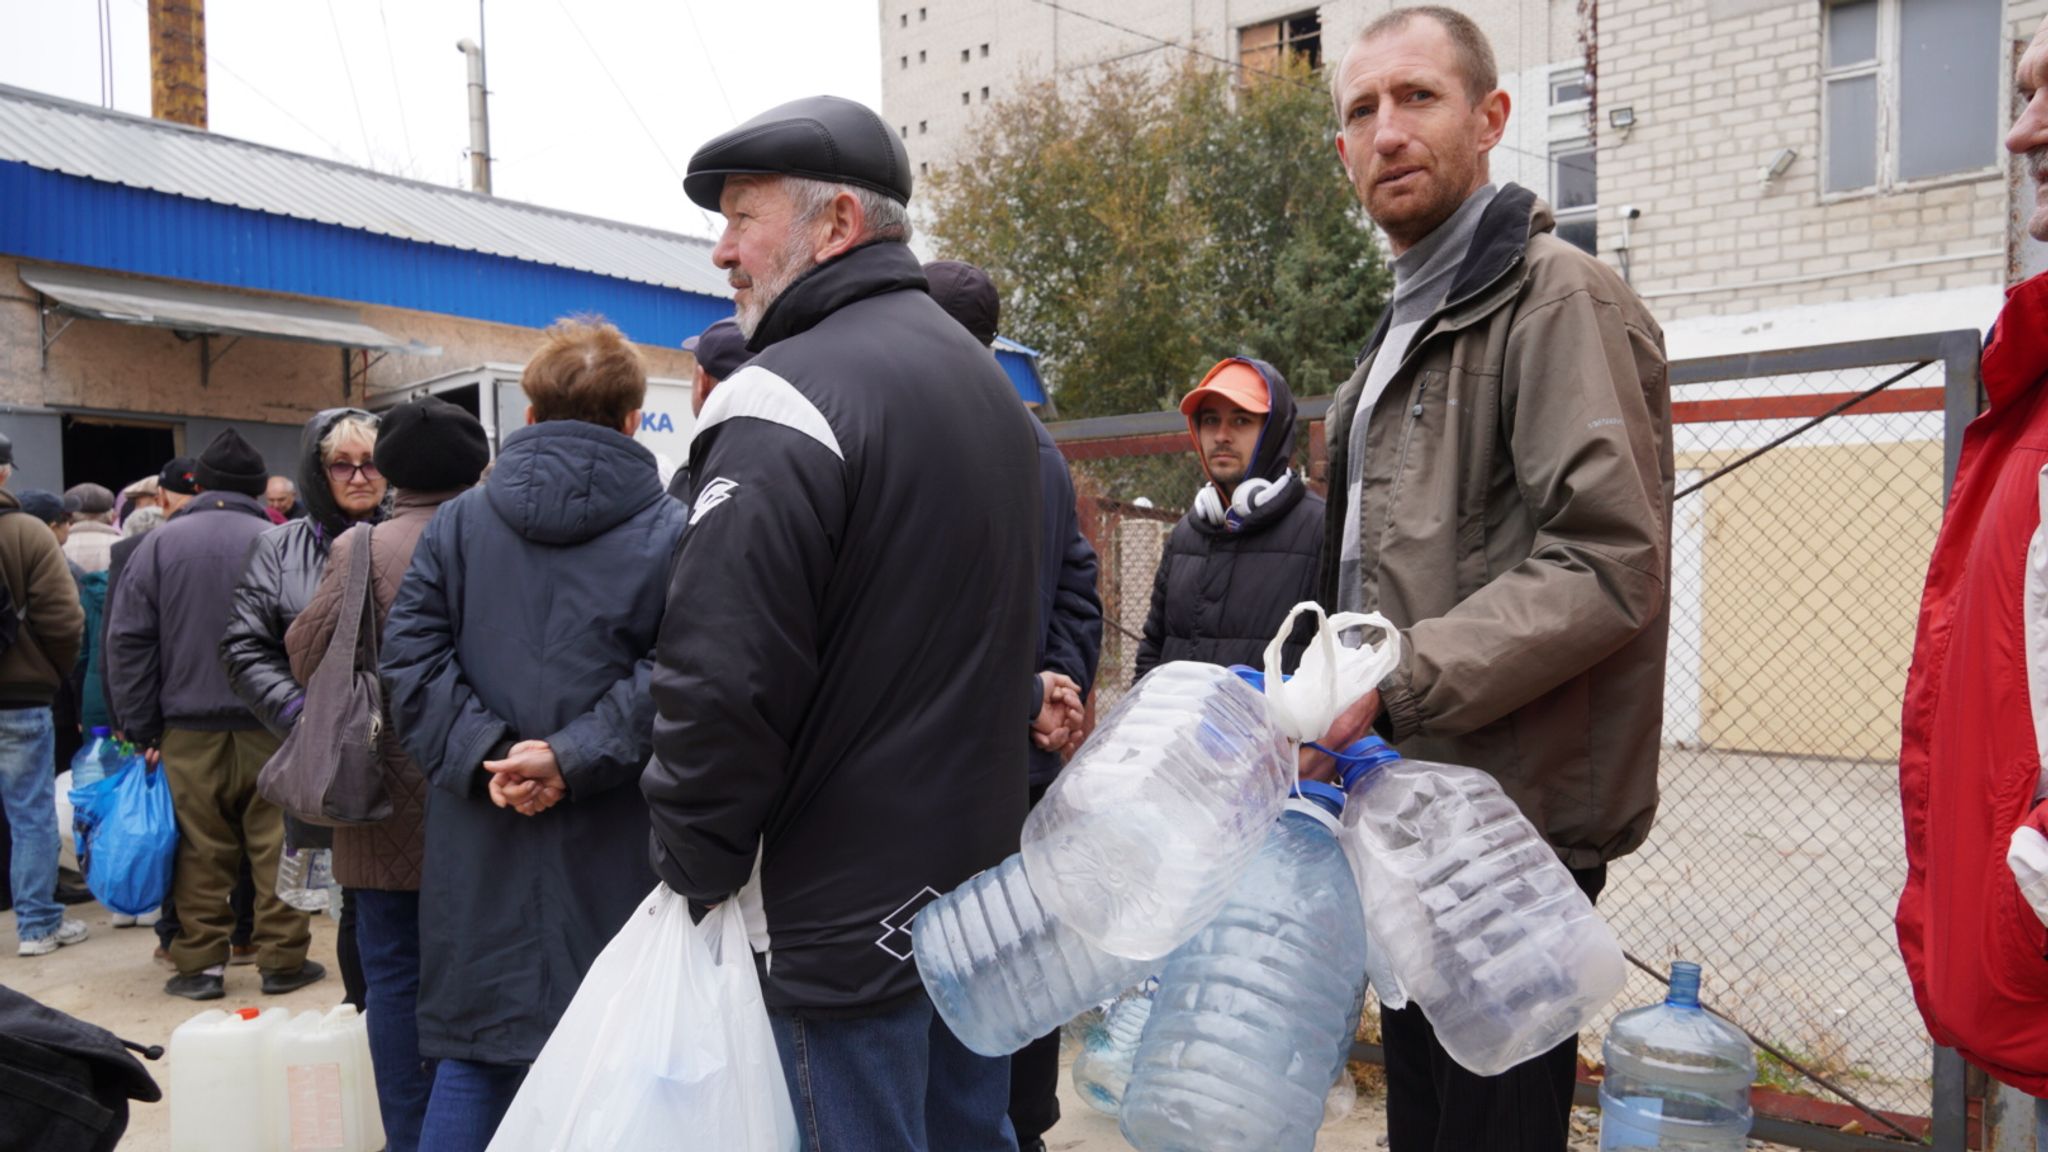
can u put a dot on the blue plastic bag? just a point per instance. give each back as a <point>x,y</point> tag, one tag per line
<point>136,841</point>
<point>89,806</point>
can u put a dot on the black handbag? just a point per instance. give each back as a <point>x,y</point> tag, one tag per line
<point>330,769</point>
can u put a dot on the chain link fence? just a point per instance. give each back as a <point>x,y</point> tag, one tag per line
<point>1810,488</point>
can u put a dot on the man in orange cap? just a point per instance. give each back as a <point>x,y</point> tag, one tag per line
<point>1248,549</point>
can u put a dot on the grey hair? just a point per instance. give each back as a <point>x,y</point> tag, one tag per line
<point>885,218</point>
<point>350,427</point>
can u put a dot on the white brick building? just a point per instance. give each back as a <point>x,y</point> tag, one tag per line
<point>1805,170</point>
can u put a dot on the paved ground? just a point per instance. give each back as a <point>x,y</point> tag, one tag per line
<point>111,981</point>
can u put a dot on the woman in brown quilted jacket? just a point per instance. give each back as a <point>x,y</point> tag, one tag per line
<point>430,451</point>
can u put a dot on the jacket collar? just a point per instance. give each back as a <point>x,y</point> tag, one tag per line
<point>415,499</point>
<point>223,502</point>
<point>1498,246</point>
<point>2016,359</point>
<point>873,268</point>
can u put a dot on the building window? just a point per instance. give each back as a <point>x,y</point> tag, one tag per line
<point>905,21</point>
<point>921,127</point>
<point>920,55</point>
<point>1573,194</point>
<point>966,55</point>
<point>1910,91</point>
<point>905,63</point>
<point>920,15</point>
<point>924,169</point>
<point>984,51</point>
<point>984,94</point>
<point>1568,87</point>
<point>905,130</point>
<point>1262,47</point>
<point>964,99</point>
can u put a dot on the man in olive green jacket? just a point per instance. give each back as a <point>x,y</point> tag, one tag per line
<point>1500,488</point>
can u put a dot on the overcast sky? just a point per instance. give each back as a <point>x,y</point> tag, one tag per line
<point>380,82</point>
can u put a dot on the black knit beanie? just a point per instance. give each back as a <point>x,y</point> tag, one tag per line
<point>231,464</point>
<point>430,445</point>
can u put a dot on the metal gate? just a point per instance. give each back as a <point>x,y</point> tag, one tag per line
<point>1811,484</point>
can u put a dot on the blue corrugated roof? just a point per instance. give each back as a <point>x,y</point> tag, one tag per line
<point>1020,364</point>
<point>67,220</point>
<point>137,152</point>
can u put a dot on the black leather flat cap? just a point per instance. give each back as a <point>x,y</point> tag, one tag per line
<point>819,137</point>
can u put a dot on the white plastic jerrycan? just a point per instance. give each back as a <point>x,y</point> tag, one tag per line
<point>329,1093</point>
<point>227,1086</point>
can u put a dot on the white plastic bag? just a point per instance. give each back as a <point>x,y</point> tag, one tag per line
<point>2028,859</point>
<point>666,1045</point>
<point>1333,675</point>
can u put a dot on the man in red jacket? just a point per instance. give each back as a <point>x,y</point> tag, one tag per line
<point>1970,767</point>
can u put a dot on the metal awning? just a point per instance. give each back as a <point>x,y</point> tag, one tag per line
<point>198,310</point>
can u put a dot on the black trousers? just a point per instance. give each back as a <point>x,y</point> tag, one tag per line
<point>1435,1105</point>
<point>1035,1076</point>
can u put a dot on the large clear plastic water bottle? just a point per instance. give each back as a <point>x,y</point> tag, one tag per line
<point>1480,923</point>
<point>101,757</point>
<point>1103,1069</point>
<point>305,880</point>
<point>1003,971</point>
<point>1255,1015</point>
<point>1139,841</point>
<point>1678,1076</point>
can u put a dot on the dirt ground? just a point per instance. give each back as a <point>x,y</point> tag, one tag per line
<point>110,981</point>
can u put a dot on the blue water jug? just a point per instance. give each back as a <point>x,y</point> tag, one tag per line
<point>1256,1013</point>
<point>1001,970</point>
<point>1678,1076</point>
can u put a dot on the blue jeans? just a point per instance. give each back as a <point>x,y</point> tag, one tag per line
<point>28,790</point>
<point>897,1082</point>
<point>388,938</point>
<point>468,1102</point>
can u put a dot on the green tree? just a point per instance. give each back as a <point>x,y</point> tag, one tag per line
<point>1143,224</point>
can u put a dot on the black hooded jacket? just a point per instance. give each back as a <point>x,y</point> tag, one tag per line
<point>529,613</point>
<point>277,583</point>
<point>1220,593</point>
<point>845,665</point>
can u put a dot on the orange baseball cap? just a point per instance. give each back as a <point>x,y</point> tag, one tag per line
<point>1234,380</point>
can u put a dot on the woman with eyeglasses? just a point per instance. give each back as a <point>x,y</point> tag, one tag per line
<point>340,487</point>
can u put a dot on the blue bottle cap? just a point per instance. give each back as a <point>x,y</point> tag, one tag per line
<point>1360,759</point>
<point>1329,796</point>
<point>1253,676</point>
<point>102,730</point>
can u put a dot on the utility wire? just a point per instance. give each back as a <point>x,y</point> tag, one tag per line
<point>710,61</point>
<point>350,73</point>
<point>213,61</point>
<point>391,58</point>
<point>1191,50</point>
<point>620,89</point>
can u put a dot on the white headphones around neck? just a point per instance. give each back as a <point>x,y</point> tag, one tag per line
<point>1252,494</point>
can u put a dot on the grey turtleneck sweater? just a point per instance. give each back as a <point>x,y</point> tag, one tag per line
<point>1422,278</point>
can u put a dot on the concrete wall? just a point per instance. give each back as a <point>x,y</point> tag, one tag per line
<point>1717,90</point>
<point>267,387</point>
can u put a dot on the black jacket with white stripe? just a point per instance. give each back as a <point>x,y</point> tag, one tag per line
<point>843,669</point>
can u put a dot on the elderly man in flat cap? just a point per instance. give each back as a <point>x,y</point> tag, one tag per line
<point>843,746</point>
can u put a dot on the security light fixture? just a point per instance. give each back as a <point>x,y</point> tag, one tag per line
<point>1622,118</point>
<point>1780,164</point>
